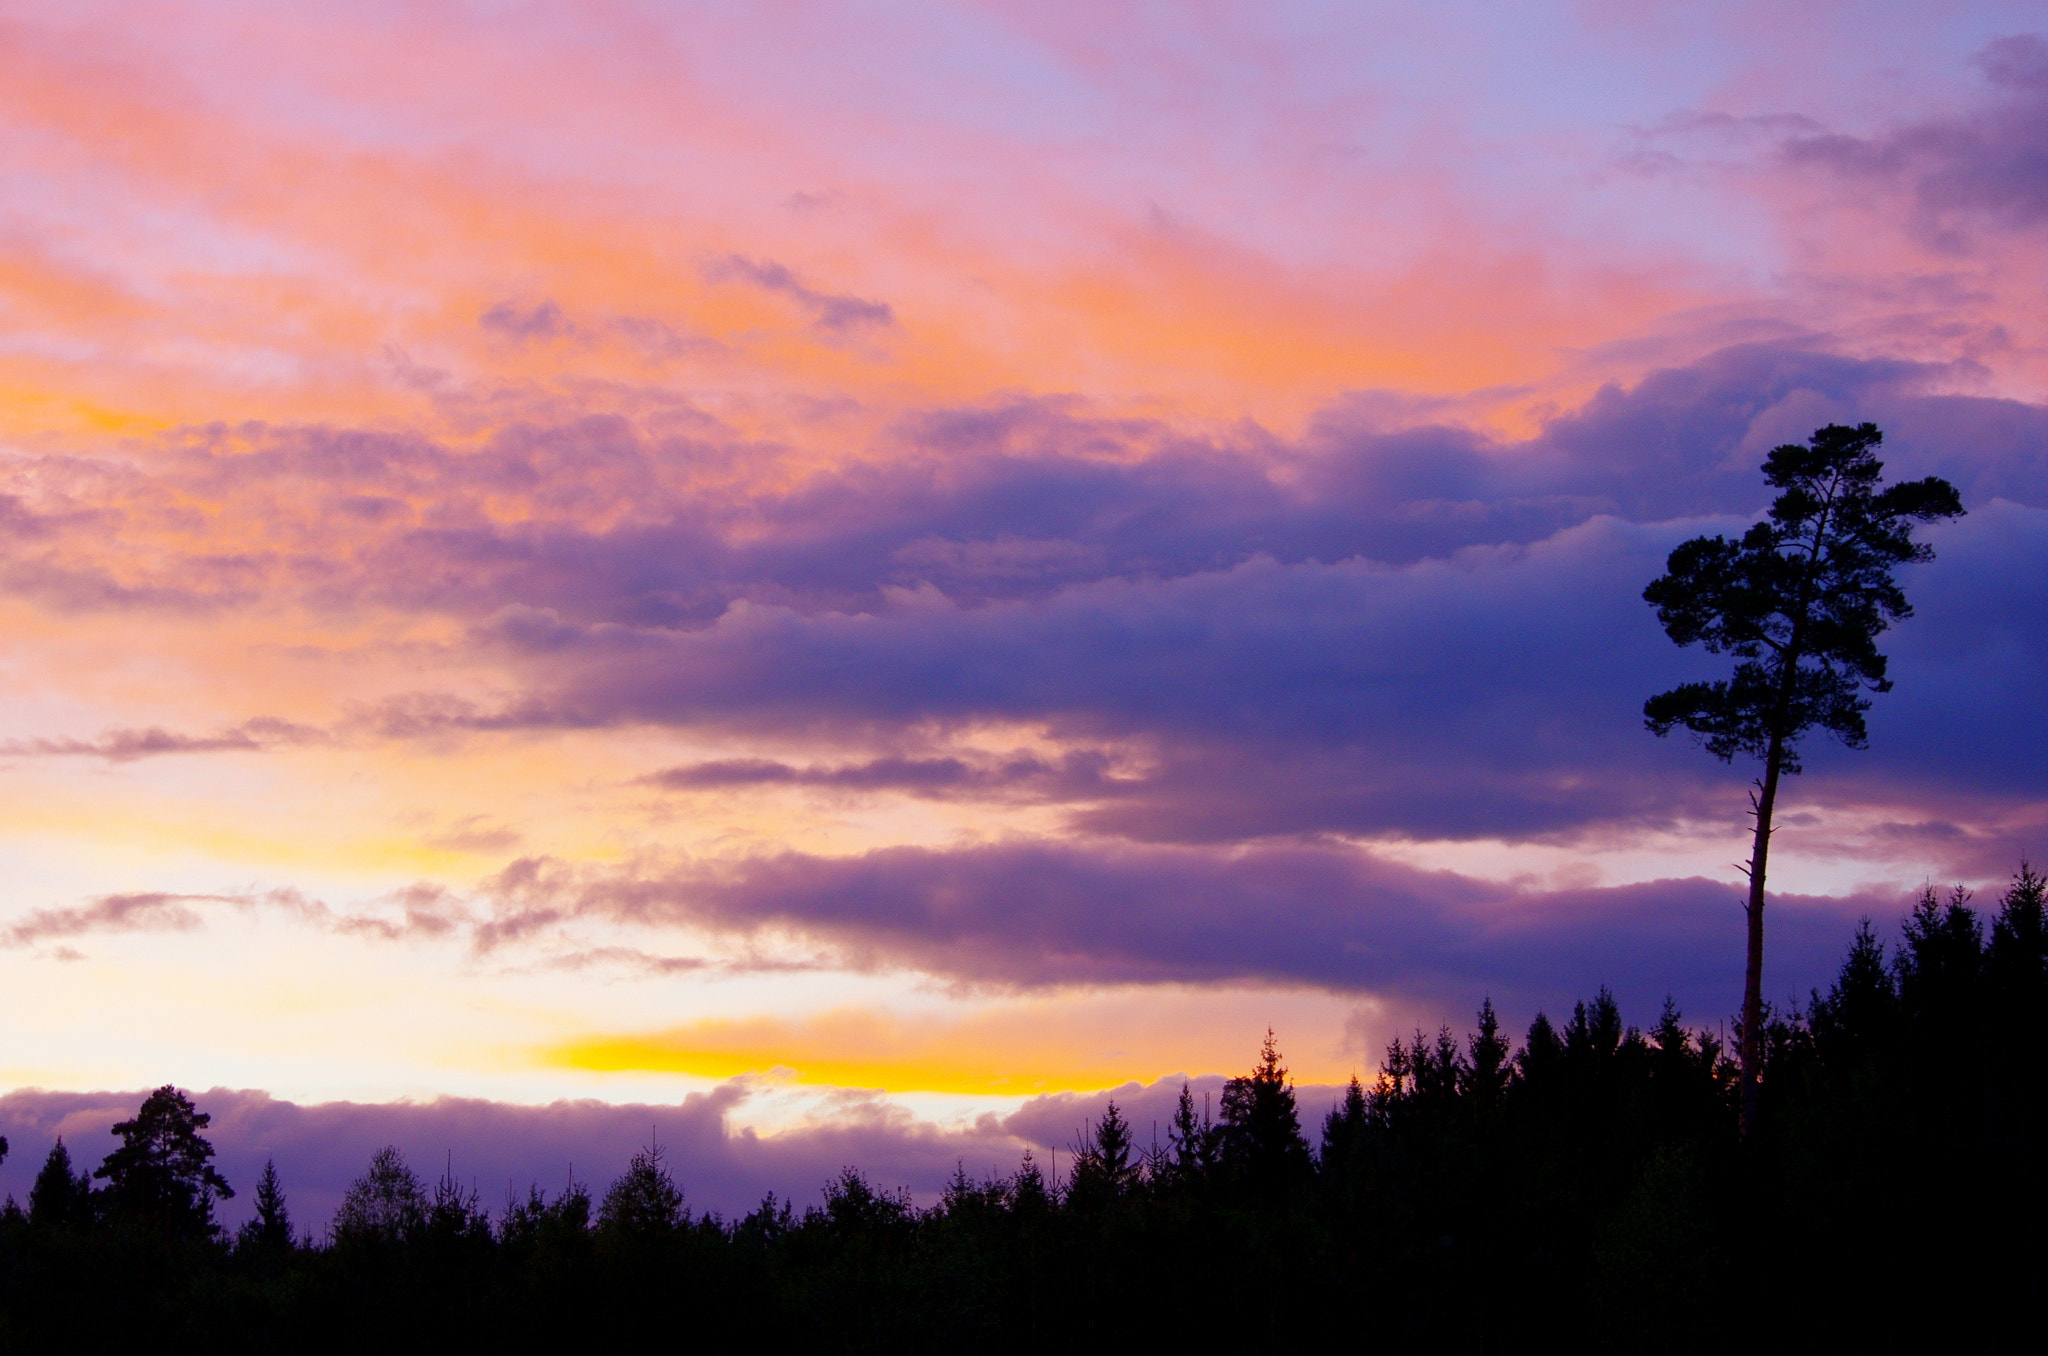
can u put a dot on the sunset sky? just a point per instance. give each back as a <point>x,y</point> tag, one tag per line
<point>878,567</point>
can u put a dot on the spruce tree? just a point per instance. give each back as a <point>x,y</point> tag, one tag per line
<point>1260,1128</point>
<point>644,1204</point>
<point>60,1198</point>
<point>1491,1065</point>
<point>1103,1168</point>
<point>1344,1124</point>
<point>270,1228</point>
<point>1854,1022</point>
<point>1340,1165</point>
<point>1027,1191</point>
<point>1190,1140</point>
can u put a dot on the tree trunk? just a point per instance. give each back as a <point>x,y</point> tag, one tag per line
<point>1752,1051</point>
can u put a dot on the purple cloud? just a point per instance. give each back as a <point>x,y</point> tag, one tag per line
<point>834,315</point>
<point>125,746</point>
<point>1026,915</point>
<point>1463,698</point>
<point>1496,692</point>
<point>500,1147</point>
<point>1075,775</point>
<point>542,321</point>
<point>1991,164</point>
<point>416,912</point>
<point>1367,631</point>
<point>1015,501</point>
<point>153,911</point>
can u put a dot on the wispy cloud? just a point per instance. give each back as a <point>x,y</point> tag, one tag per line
<point>543,320</point>
<point>153,911</point>
<point>1987,166</point>
<point>126,746</point>
<point>834,315</point>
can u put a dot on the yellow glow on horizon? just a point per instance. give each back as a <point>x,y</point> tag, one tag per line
<point>1068,1043</point>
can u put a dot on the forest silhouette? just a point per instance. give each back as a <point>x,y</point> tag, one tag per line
<point>1588,1186</point>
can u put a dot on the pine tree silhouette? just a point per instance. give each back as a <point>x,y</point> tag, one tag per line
<point>161,1176</point>
<point>60,1198</point>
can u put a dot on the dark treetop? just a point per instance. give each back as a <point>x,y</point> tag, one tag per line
<point>1799,601</point>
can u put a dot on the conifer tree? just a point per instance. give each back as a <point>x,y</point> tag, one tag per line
<point>2016,983</point>
<point>2016,962</point>
<point>1028,1192</point>
<point>454,1213</point>
<point>1260,1127</point>
<point>644,1203</point>
<point>1341,1162</point>
<point>161,1176</point>
<point>1344,1123</point>
<point>1940,963</point>
<point>767,1223</point>
<point>854,1208</point>
<point>540,1223</point>
<point>1540,1063</point>
<point>1438,1069</point>
<point>1853,1021</point>
<point>60,1198</point>
<point>1594,1034</point>
<point>1798,602</point>
<point>1491,1065</point>
<point>963,1196</point>
<point>1191,1139</point>
<point>1103,1168</point>
<point>270,1228</point>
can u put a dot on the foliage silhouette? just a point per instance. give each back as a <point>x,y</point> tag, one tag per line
<point>1586,1187</point>
<point>384,1207</point>
<point>644,1206</point>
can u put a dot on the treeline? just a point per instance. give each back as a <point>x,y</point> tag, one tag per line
<point>1587,1187</point>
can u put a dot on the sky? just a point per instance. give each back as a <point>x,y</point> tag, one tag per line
<point>851,579</point>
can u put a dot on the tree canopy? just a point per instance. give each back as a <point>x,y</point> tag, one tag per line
<point>1798,601</point>
<point>161,1175</point>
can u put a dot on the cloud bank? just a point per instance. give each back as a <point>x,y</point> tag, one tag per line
<point>1042,503</point>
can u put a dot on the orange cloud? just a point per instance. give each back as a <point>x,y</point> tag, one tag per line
<point>307,275</point>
